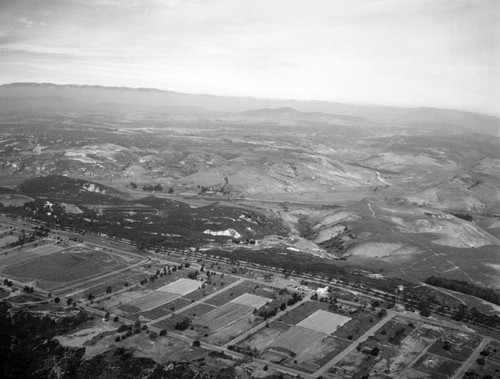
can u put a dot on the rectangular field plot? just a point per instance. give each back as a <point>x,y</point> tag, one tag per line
<point>250,300</point>
<point>210,288</point>
<point>181,286</point>
<point>223,316</point>
<point>265,336</point>
<point>152,300</point>
<point>300,313</point>
<point>165,309</point>
<point>324,322</point>
<point>298,339</point>
<point>234,330</point>
<point>238,290</point>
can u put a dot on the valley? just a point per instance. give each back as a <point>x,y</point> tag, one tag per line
<point>261,240</point>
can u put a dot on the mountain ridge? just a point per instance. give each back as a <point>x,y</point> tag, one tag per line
<point>157,98</point>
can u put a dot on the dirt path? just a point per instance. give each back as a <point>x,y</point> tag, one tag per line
<point>461,371</point>
<point>353,345</point>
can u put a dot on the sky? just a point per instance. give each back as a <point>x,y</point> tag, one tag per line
<point>437,53</point>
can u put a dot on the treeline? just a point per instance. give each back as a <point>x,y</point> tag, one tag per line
<point>484,293</point>
<point>463,216</point>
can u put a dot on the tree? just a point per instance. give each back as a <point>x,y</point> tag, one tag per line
<point>170,190</point>
<point>109,289</point>
<point>196,343</point>
<point>184,324</point>
<point>133,185</point>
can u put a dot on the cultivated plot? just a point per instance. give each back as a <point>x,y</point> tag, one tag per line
<point>152,300</point>
<point>250,300</point>
<point>324,322</point>
<point>297,339</point>
<point>223,316</point>
<point>181,286</point>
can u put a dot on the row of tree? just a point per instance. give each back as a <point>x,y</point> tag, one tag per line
<point>158,187</point>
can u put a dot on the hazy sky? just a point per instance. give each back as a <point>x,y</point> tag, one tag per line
<point>442,53</point>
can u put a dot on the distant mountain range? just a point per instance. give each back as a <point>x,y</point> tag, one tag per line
<point>18,97</point>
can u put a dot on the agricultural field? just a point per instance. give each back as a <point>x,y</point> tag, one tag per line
<point>238,290</point>
<point>303,311</point>
<point>216,284</point>
<point>181,286</point>
<point>324,322</point>
<point>302,338</point>
<point>152,300</point>
<point>220,324</point>
<point>164,296</point>
<point>222,317</point>
<point>145,300</point>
